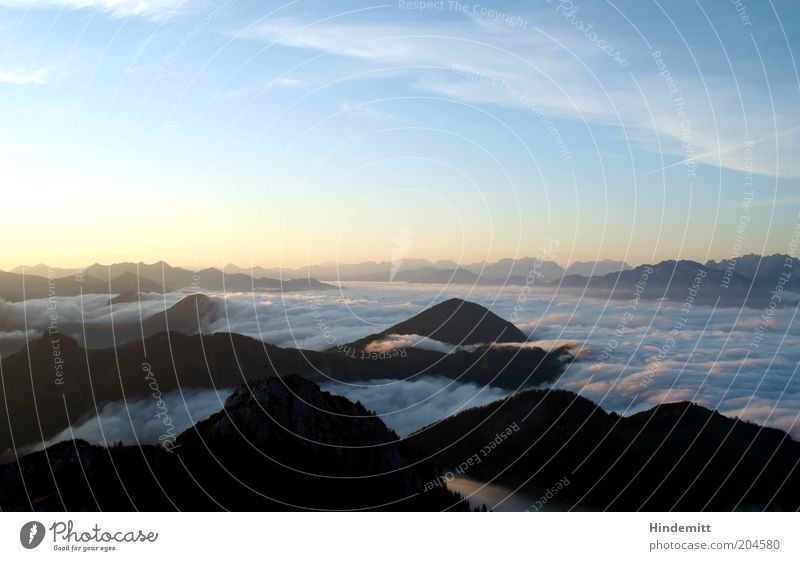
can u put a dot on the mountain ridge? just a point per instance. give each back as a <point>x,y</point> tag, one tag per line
<point>456,322</point>
<point>273,435</point>
<point>159,277</point>
<point>674,456</point>
<point>278,444</point>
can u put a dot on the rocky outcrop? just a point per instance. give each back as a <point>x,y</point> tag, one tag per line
<point>279,444</point>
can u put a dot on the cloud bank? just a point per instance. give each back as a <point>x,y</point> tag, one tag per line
<point>407,405</point>
<point>393,342</point>
<point>626,363</point>
<point>135,421</point>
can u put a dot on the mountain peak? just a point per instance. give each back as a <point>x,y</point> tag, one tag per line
<point>299,407</point>
<point>191,314</point>
<point>459,322</point>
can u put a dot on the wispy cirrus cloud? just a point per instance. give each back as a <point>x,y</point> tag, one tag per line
<point>280,82</point>
<point>476,61</point>
<point>117,8</point>
<point>35,78</point>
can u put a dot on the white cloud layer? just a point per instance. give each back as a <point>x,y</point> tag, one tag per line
<point>136,421</point>
<point>393,342</point>
<point>714,360</point>
<point>407,405</point>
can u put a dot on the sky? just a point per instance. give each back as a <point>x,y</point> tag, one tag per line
<point>292,133</point>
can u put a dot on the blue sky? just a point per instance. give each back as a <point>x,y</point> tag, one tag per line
<point>302,132</point>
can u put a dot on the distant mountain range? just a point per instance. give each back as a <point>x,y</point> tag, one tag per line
<point>422,270</point>
<point>728,283</point>
<point>122,278</point>
<point>42,270</point>
<point>15,287</point>
<point>767,270</point>
<point>749,280</point>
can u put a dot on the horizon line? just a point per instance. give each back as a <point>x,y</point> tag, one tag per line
<point>388,262</point>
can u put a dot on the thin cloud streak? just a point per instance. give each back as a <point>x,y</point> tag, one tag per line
<point>118,8</point>
<point>36,78</point>
<point>532,63</point>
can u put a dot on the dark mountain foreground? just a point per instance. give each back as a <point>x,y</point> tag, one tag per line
<point>283,444</point>
<point>279,444</point>
<point>54,382</point>
<point>676,456</point>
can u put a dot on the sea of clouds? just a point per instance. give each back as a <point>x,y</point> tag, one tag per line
<point>141,421</point>
<point>632,355</point>
<point>407,405</point>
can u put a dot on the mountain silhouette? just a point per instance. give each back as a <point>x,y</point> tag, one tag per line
<point>454,321</point>
<point>40,398</point>
<point>127,298</point>
<point>122,278</point>
<point>596,268</point>
<point>169,279</point>
<point>676,456</point>
<point>673,280</point>
<point>43,270</point>
<point>422,275</point>
<point>432,275</point>
<point>17,287</point>
<point>768,270</point>
<point>191,314</point>
<point>279,444</point>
